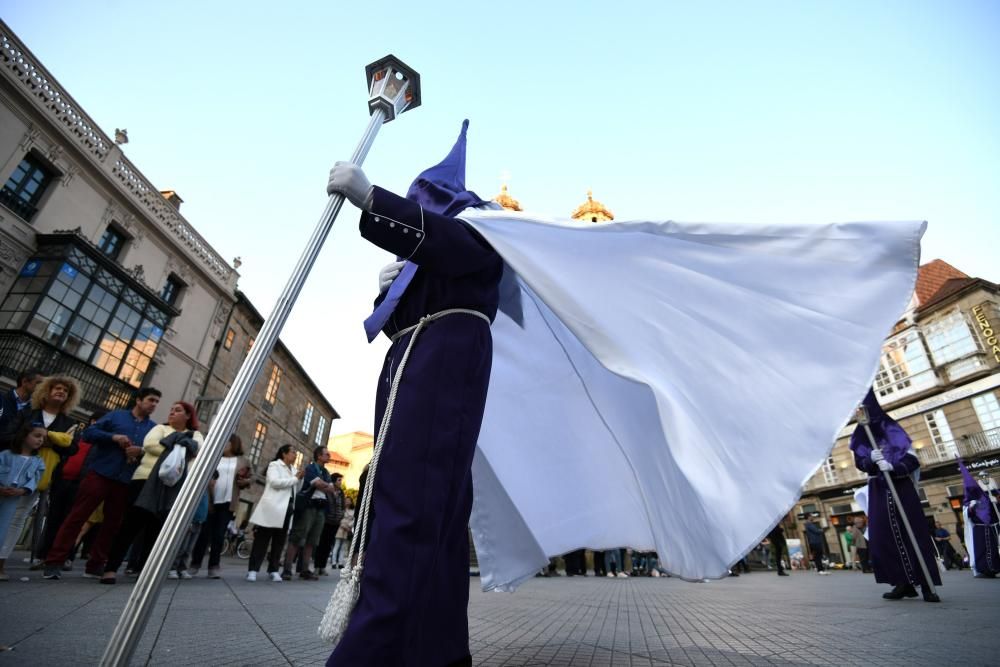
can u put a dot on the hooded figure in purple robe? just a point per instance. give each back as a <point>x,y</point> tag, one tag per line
<point>981,527</point>
<point>413,605</point>
<point>890,549</point>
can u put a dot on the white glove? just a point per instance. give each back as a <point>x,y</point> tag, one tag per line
<point>884,465</point>
<point>877,456</point>
<point>349,180</point>
<point>973,504</point>
<point>388,274</point>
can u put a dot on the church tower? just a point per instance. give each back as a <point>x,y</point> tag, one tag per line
<point>592,211</point>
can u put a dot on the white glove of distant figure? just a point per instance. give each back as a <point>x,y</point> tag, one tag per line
<point>388,274</point>
<point>877,456</point>
<point>349,180</point>
<point>884,465</point>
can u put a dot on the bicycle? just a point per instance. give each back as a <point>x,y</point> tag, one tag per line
<point>237,545</point>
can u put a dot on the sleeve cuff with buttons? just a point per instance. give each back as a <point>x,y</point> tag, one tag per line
<point>394,223</point>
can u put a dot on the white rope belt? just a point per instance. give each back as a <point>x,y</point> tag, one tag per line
<point>345,595</point>
<point>426,319</point>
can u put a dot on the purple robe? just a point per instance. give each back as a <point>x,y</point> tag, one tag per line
<point>413,607</point>
<point>889,547</point>
<point>985,553</point>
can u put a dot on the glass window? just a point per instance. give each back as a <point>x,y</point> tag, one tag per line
<point>25,187</point>
<point>830,471</point>
<point>951,338</point>
<point>941,437</point>
<point>307,418</point>
<point>230,337</point>
<point>988,410</point>
<point>320,427</point>
<point>272,385</point>
<point>170,290</point>
<point>904,367</point>
<point>87,312</point>
<point>257,444</point>
<point>111,242</point>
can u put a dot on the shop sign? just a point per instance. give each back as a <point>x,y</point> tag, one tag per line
<point>987,331</point>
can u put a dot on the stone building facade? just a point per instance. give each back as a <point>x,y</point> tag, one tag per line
<point>939,378</point>
<point>284,407</point>
<point>101,277</point>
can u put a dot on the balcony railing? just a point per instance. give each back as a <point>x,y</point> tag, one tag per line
<point>969,446</point>
<point>20,351</point>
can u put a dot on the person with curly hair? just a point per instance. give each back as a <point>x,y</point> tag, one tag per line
<point>52,402</point>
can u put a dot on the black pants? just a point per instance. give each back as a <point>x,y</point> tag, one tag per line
<point>817,556</point>
<point>262,537</point>
<point>780,551</point>
<point>213,532</point>
<point>322,552</point>
<point>863,559</point>
<point>61,496</point>
<point>138,522</point>
<point>599,569</point>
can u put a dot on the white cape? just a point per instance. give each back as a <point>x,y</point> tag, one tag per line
<point>668,386</point>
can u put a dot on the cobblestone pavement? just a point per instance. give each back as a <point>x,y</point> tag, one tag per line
<point>756,619</point>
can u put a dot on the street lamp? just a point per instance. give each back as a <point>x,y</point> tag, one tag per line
<point>393,89</point>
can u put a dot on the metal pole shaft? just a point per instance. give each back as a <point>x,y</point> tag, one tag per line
<point>902,515</point>
<point>121,646</point>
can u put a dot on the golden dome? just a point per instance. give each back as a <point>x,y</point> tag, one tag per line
<point>593,211</point>
<point>506,200</point>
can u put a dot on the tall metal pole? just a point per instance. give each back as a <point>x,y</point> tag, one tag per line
<point>902,514</point>
<point>121,646</point>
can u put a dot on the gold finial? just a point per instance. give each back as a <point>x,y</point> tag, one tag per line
<point>505,200</point>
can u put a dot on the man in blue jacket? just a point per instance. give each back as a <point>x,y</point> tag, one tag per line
<point>117,448</point>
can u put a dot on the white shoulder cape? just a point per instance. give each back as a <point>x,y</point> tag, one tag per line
<point>668,386</point>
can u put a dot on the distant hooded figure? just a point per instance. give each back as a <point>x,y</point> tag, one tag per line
<point>981,526</point>
<point>413,604</point>
<point>889,547</point>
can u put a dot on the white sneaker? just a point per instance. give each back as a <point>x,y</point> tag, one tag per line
<point>251,576</point>
<point>276,577</point>
<point>654,573</point>
<point>172,575</point>
<point>610,576</point>
<point>622,575</point>
<point>186,575</point>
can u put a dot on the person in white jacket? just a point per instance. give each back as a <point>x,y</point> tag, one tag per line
<point>272,513</point>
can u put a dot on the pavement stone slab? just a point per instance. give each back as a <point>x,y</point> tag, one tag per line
<point>756,619</point>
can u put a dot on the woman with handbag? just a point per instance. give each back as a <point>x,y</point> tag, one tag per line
<point>232,476</point>
<point>147,513</point>
<point>272,513</point>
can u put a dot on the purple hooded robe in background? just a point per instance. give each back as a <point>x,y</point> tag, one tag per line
<point>413,606</point>
<point>889,547</point>
<point>981,527</point>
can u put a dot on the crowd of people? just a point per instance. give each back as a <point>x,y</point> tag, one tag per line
<point>104,491</point>
<point>99,492</point>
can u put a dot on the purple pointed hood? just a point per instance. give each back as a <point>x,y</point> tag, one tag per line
<point>441,188</point>
<point>974,492</point>
<point>890,436</point>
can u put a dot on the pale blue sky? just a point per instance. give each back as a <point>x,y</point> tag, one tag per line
<point>709,111</point>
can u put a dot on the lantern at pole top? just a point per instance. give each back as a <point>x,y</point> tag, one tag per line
<point>392,86</point>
